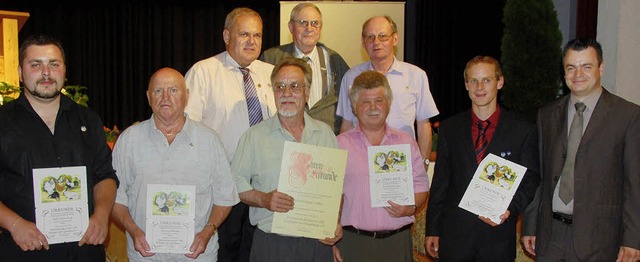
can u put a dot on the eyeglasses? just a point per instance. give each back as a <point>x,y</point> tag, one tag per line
<point>305,23</point>
<point>293,87</point>
<point>382,37</point>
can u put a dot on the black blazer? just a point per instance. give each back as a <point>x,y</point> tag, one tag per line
<point>454,169</point>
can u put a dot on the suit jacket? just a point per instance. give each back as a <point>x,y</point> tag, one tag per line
<point>325,109</point>
<point>606,207</point>
<point>514,139</point>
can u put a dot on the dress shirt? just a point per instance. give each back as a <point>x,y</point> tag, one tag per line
<point>142,156</point>
<point>412,99</point>
<point>217,98</point>
<point>316,83</point>
<point>256,164</point>
<point>590,101</point>
<point>493,119</point>
<point>356,206</point>
<point>27,143</point>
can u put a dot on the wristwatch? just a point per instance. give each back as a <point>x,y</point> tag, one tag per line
<point>426,162</point>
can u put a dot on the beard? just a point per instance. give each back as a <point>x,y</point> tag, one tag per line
<point>43,95</point>
<point>287,113</point>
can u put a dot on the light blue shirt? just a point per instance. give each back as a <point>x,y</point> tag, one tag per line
<point>256,164</point>
<point>196,157</point>
<point>412,99</point>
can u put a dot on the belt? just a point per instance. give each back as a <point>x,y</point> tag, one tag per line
<point>567,219</point>
<point>377,234</point>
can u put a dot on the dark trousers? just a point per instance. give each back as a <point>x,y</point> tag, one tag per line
<point>235,235</point>
<point>70,252</point>
<point>560,245</point>
<point>397,248</point>
<point>270,247</point>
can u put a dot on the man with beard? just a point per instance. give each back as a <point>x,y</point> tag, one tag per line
<point>256,166</point>
<point>43,129</point>
<point>328,66</point>
<point>230,92</point>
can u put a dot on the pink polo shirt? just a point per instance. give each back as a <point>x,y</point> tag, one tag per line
<point>356,208</point>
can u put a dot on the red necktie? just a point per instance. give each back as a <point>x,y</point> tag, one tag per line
<point>481,141</point>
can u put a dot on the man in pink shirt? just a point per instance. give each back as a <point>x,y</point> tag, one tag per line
<point>381,233</point>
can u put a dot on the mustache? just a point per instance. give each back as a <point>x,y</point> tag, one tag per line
<point>286,100</point>
<point>375,112</point>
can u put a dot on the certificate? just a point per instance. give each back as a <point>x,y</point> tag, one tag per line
<point>60,198</point>
<point>390,175</point>
<point>492,187</point>
<point>170,226</point>
<point>313,176</point>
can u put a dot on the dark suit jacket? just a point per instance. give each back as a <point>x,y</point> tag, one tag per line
<point>457,228</point>
<point>606,204</point>
<point>325,109</point>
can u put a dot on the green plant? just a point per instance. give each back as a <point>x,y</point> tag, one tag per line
<point>531,56</point>
<point>8,92</point>
<point>76,93</point>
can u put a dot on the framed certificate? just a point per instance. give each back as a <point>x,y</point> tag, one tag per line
<point>61,201</point>
<point>170,226</point>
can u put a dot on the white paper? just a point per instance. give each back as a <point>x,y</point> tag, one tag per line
<point>492,187</point>
<point>170,226</point>
<point>390,175</point>
<point>60,198</point>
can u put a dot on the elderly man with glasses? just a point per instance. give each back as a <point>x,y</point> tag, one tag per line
<point>256,166</point>
<point>327,65</point>
<point>409,83</point>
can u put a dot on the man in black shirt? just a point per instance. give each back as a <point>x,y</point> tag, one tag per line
<point>43,129</point>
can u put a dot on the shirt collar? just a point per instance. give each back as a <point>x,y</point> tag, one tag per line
<point>590,101</point>
<point>492,119</point>
<point>65,102</point>
<point>395,66</point>
<point>389,134</point>
<point>313,55</point>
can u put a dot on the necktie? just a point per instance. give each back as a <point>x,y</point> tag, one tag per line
<point>573,141</point>
<point>481,141</point>
<point>253,103</point>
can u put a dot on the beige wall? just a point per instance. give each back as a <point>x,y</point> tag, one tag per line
<point>618,32</point>
<point>342,25</point>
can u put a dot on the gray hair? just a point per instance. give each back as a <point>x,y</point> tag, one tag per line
<point>231,18</point>
<point>369,80</point>
<point>297,62</point>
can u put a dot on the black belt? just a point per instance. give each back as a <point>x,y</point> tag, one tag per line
<point>567,219</point>
<point>377,234</point>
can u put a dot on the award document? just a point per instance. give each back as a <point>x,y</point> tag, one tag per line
<point>492,187</point>
<point>390,175</point>
<point>60,196</point>
<point>313,176</point>
<point>170,218</point>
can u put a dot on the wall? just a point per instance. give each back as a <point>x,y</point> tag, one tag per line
<point>618,33</point>
<point>342,25</point>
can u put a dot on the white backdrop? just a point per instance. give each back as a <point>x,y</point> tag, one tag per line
<point>342,25</point>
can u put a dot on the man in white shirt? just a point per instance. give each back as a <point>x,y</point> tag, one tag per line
<point>217,98</point>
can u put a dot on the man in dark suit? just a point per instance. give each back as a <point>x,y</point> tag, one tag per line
<point>455,234</point>
<point>328,66</point>
<point>601,219</point>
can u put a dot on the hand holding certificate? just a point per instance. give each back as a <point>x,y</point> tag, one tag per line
<point>492,187</point>
<point>313,176</point>
<point>170,218</point>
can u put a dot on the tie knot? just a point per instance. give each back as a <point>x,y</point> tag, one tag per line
<point>306,59</point>
<point>244,70</point>
<point>580,107</point>
<point>482,125</point>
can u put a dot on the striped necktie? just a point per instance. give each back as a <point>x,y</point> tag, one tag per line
<point>253,103</point>
<point>481,142</point>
